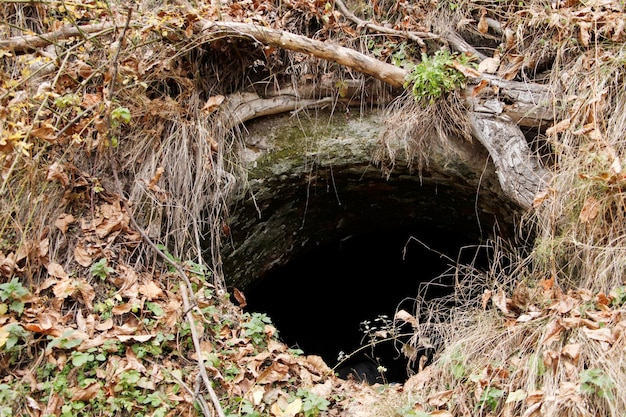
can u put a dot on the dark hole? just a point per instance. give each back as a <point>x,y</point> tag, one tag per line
<point>319,300</point>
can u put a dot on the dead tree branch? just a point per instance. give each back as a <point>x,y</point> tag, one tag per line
<point>30,43</point>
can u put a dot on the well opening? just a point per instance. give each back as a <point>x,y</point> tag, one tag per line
<point>325,243</point>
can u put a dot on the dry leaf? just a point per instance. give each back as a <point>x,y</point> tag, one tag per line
<point>590,210</point>
<point>547,284</point>
<point>603,335</point>
<point>406,317</point>
<point>440,399</point>
<point>479,88</point>
<point>552,332</point>
<point>274,373</point>
<point>212,104</point>
<point>291,409</point>
<point>509,36</point>
<point>136,337</point>
<point>157,176</point>
<point>465,70</point>
<point>57,271</point>
<point>82,255</point>
<point>150,290</point>
<point>540,198</point>
<point>483,26</point>
<point>500,301</point>
<point>240,297</point>
<point>583,35</point>
<point>315,364</point>
<point>489,65</point>
<point>561,126</point>
<point>85,394</point>
<point>485,298</point>
<point>45,132</point>
<point>86,292</point>
<point>63,222</point>
<point>512,68</point>
<point>571,351</point>
<point>56,172</point>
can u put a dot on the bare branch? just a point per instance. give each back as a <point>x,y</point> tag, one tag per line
<point>32,42</point>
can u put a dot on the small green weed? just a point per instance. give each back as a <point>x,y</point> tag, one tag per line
<point>595,381</point>
<point>312,404</point>
<point>8,397</point>
<point>120,115</point>
<point>13,292</point>
<point>255,327</point>
<point>10,336</point>
<point>101,269</point>
<point>491,398</point>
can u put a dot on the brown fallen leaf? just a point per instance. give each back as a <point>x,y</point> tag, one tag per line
<point>489,65</point>
<point>406,317</point>
<point>45,132</point>
<point>57,271</point>
<point>603,335</point>
<point>83,254</point>
<point>85,394</point>
<point>482,26</point>
<point>480,87</point>
<point>440,399</point>
<point>150,290</point>
<point>157,176</point>
<point>56,172</point>
<point>590,210</point>
<point>553,332</point>
<point>212,104</point>
<point>240,297</point>
<point>571,351</point>
<point>465,70</point>
<point>283,409</point>
<point>561,126</point>
<point>63,222</point>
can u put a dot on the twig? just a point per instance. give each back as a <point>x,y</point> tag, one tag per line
<point>414,36</point>
<point>203,405</point>
<point>183,291</point>
<point>114,62</point>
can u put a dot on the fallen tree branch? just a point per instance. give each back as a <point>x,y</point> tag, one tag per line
<point>30,43</point>
<point>350,58</point>
<point>414,36</point>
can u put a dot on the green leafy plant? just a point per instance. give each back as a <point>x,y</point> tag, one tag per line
<point>65,341</point>
<point>67,100</point>
<point>101,269</point>
<point>8,396</point>
<point>618,296</point>
<point>10,337</point>
<point>120,115</point>
<point>255,327</point>
<point>13,292</point>
<point>491,397</point>
<point>595,381</point>
<point>435,76</point>
<point>312,404</point>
